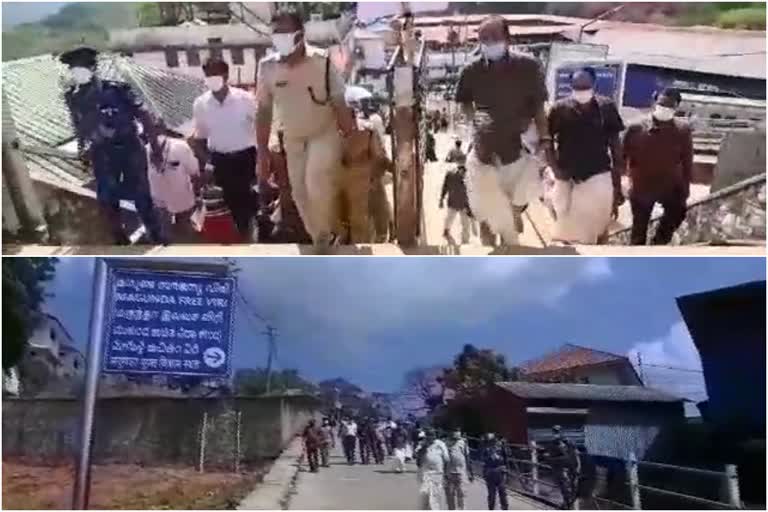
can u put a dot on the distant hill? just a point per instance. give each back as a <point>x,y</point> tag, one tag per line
<point>73,24</point>
<point>15,13</point>
<point>742,15</point>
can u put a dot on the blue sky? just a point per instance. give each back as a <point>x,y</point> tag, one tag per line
<point>372,319</point>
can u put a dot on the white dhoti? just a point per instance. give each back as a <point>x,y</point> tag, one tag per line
<point>584,209</point>
<point>496,191</point>
<point>399,454</point>
<point>408,451</point>
<point>432,491</point>
<point>314,165</point>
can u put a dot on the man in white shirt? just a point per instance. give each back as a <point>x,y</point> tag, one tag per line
<point>308,94</point>
<point>225,131</point>
<point>432,459</point>
<point>349,438</point>
<point>172,184</point>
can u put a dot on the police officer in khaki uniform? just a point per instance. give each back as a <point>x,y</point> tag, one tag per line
<point>308,94</point>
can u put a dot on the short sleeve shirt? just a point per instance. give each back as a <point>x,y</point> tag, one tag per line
<point>506,95</point>
<point>582,135</point>
<point>171,184</point>
<point>229,126</point>
<point>298,92</point>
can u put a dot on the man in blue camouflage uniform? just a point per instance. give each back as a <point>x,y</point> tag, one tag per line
<point>104,115</point>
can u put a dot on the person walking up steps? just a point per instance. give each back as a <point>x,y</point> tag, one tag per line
<point>308,93</point>
<point>500,172</point>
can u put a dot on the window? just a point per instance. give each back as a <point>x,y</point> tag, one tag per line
<point>193,58</point>
<point>172,58</point>
<point>53,334</point>
<point>215,48</point>
<point>238,58</point>
<point>76,364</point>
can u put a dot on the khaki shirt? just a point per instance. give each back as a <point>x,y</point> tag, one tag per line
<point>298,93</point>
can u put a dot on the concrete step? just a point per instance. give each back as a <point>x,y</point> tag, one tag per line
<point>242,250</point>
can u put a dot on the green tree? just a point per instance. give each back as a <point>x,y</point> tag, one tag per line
<point>475,369</point>
<point>253,382</point>
<point>328,10</point>
<point>24,281</point>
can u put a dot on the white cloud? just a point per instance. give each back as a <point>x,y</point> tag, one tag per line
<point>598,268</point>
<point>352,300</point>
<point>666,362</point>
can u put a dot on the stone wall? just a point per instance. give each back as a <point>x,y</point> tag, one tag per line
<point>735,213</point>
<point>149,430</point>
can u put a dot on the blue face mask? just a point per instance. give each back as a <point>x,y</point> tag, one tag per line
<point>494,51</point>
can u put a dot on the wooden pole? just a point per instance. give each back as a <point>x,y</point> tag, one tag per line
<point>535,467</point>
<point>634,481</point>
<point>238,425</point>
<point>203,435</point>
<point>732,484</point>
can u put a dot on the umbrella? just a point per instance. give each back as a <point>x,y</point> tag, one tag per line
<point>355,93</point>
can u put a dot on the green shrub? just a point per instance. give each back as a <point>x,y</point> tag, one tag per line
<point>751,18</point>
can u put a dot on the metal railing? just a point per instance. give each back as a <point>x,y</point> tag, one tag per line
<point>530,475</point>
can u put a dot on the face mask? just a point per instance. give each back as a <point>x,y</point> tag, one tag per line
<point>494,51</point>
<point>663,113</point>
<point>82,75</point>
<point>214,83</point>
<point>583,96</point>
<point>284,43</point>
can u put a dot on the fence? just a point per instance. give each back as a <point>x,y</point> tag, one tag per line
<point>618,483</point>
<point>205,433</point>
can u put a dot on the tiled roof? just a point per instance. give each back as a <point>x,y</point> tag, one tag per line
<point>568,356</point>
<point>588,392</point>
<point>34,92</point>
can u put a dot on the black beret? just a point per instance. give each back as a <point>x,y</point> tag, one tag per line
<point>83,56</point>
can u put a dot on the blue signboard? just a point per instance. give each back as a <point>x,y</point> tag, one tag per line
<point>609,77</point>
<point>168,323</point>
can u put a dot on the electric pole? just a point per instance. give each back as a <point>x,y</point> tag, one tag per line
<point>271,349</point>
<point>640,368</point>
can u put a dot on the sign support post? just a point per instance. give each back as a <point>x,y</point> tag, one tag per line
<point>153,318</point>
<point>93,364</point>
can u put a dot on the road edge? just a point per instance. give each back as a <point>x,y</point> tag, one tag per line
<point>273,492</point>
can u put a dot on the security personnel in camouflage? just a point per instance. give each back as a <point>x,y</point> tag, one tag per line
<point>104,115</point>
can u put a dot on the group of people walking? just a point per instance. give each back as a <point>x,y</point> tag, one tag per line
<point>445,462</point>
<point>503,97</point>
<point>318,174</point>
<point>297,150</point>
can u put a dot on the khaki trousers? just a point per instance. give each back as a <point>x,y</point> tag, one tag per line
<point>314,166</point>
<point>354,195</point>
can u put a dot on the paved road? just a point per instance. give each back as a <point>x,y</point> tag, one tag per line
<point>375,487</point>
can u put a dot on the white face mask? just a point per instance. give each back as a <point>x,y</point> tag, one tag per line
<point>81,75</point>
<point>663,113</point>
<point>583,96</point>
<point>285,43</point>
<point>214,83</point>
<point>494,51</point>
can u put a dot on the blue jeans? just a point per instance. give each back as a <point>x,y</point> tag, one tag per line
<point>121,173</point>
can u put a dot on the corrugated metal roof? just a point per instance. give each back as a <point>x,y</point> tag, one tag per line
<point>701,49</point>
<point>568,356</point>
<point>587,392</point>
<point>34,89</point>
